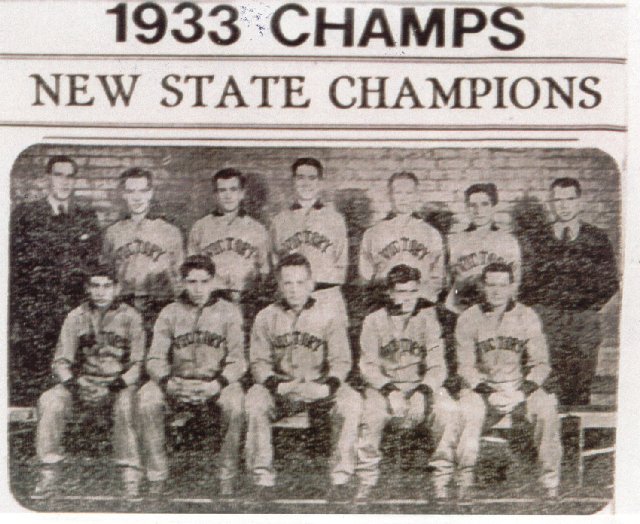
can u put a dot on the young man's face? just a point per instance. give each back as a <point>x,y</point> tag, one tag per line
<point>498,288</point>
<point>565,203</point>
<point>137,194</point>
<point>306,183</point>
<point>405,295</point>
<point>199,285</point>
<point>229,194</point>
<point>62,180</point>
<point>296,285</point>
<point>102,291</point>
<point>480,209</point>
<point>403,195</point>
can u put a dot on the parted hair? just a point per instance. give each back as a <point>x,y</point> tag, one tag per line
<point>498,267</point>
<point>307,161</point>
<point>61,159</point>
<point>489,189</point>
<point>293,259</point>
<point>227,174</point>
<point>565,182</point>
<point>136,172</point>
<point>401,274</point>
<point>197,262</point>
<point>402,175</point>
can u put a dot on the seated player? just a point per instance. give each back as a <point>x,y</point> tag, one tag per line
<point>299,358</point>
<point>195,361</point>
<point>402,362</point>
<point>97,362</point>
<point>502,354</point>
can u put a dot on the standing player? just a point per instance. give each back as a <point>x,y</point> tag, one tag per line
<point>49,240</point>
<point>316,231</point>
<point>97,362</point>
<point>403,365</point>
<point>403,238</point>
<point>145,250</point>
<point>502,354</point>
<point>195,361</point>
<point>237,244</point>
<point>573,276</point>
<point>300,358</point>
<point>482,243</point>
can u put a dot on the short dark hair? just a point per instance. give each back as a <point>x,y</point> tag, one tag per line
<point>498,267</point>
<point>61,159</point>
<point>136,172</point>
<point>197,262</point>
<point>401,274</point>
<point>100,269</point>
<point>489,189</point>
<point>293,259</point>
<point>402,175</point>
<point>307,161</point>
<point>228,174</point>
<point>567,182</point>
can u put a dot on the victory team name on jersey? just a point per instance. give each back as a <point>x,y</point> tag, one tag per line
<point>100,344</point>
<point>320,234</point>
<point>403,240</point>
<point>237,246</point>
<point>198,342</point>
<point>405,351</point>
<point>311,345</point>
<point>469,253</point>
<point>146,256</point>
<point>501,350</point>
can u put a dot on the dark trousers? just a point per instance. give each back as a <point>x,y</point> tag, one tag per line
<point>573,338</point>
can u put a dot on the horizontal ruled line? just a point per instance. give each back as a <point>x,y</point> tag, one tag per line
<point>307,139</point>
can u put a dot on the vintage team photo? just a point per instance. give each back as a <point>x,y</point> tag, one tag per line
<point>314,329</point>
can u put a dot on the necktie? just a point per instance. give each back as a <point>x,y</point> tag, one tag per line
<point>61,210</point>
<point>566,234</point>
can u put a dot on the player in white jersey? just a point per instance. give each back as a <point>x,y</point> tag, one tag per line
<point>502,354</point>
<point>480,244</point>
<point>237,244</point>
<point>403,237</point>
<point>403,365</point>
<point>316,230</point>
<point>300,358</point>
<point>145,250</point>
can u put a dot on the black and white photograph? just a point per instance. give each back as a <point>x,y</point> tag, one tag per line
<point>314,329</point>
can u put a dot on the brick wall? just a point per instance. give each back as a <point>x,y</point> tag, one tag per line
<point>355,182</point>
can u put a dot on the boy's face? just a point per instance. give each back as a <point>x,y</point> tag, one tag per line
<point>296,285</point>
<point>405,295</point>
<point>565,203</point>
<point>199,285</point>
<point>480,209</point>
<point>229,194</point>
<point>102,291</point>
<point>137,194</point>
<point>498,288</point>
<point>404,195</point>
<point>306,183</point>
<point>62,180</point>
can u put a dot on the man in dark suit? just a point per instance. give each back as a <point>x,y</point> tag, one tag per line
<point>51,240</point>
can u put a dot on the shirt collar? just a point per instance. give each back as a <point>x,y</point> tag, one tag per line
<point>114,305</point>
<point>473,227</point>
<point>391,215</point>
<point>286,307</point>
<point>574,229</point>
<point>485,307</point>
<point>316,205</point>
<point>395,309</point>
<point>55,205</point>
<point>218,213</point>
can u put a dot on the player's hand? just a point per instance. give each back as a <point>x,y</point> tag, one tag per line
<point>174,387</point>
<point>397,404</point>
<point>415,410</point>
<point>206,389</point>
<point>90,392</point>
<point>312,391</point>
<point>290,389</point>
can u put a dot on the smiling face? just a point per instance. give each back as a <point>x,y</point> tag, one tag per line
<point>403,195</point>
<point>229,194</point>
<point>199,285</point>
<point>480,209</point>
<point>498,288</point>
<point>102,291</point>
<point>565,203</point>
<point>137,194</point>
<point>306,183</point>
<point>405,295</point>
<point>62,180</point>
<point>296,285</point>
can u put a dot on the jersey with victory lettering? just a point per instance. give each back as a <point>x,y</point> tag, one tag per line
<point>311,345</point>
<point>147,256</point>
<point>237,246</point>
<point>200,343</point>
<point>318,233</point>
<point>101,344</point>
<point>404,239</point>
<point>501,350</point>
<point>404,350</point>
<point>470,252</point>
